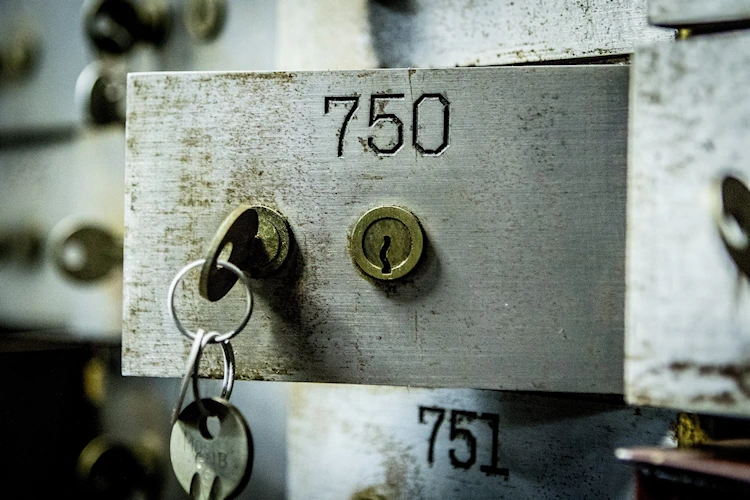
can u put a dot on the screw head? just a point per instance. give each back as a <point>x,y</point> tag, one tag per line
<point>387,243</point>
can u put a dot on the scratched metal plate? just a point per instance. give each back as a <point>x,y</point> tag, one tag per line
<point>367,443</point>
<point>331,34</point>
<point>688,307</point>
<point>522,282</point>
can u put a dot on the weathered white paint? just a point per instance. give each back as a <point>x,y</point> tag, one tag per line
<point>688,307</point>
<point>356,34</point>
<point>685,13</point>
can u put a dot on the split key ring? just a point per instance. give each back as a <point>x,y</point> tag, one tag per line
<point>249,297</point>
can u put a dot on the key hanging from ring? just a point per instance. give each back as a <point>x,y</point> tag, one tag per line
<point>191,371</point>
<point>210,464</point>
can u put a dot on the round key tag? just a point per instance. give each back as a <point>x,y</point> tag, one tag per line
<point>211,464</point>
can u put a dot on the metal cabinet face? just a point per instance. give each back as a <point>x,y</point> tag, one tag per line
<point>399,443</point>
<point>697,13</point>
<point>687,299</point>
<point>521,283</point>
<point>329,34</point>
<point>54,171</point>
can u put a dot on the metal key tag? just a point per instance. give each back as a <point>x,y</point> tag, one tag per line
<point>212,467</point>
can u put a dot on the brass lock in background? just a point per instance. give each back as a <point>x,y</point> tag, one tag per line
<point>387,243</point>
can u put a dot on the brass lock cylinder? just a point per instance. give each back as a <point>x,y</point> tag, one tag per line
<point>387,243</point>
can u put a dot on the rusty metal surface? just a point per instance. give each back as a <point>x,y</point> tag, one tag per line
<point>687,304</point>
<point>520,285</point>
<point>401,443</point>
<point>330,34</point>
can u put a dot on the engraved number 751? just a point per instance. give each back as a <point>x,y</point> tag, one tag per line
<point>459,417</point>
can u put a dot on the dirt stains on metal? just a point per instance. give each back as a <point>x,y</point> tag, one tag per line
<point>737,373</point>
<point>275,76</point>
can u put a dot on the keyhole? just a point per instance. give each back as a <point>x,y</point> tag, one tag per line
<point>384,255</point>
<point>733,220</point>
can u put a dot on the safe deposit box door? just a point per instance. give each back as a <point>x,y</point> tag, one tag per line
<point>688,291</point>
<point>516,176</point>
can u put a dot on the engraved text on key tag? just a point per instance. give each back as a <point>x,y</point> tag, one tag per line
<point>207,466</point>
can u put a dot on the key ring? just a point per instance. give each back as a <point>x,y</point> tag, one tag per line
<point>191,370</point>
<point>228,383</point>
<point>248,310</point>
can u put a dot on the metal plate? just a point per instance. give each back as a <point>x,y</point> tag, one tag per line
<point>521,284</point>
<point>687,304</point>
<point>330,34</point>
<point>374,442</point>
<point>686,13</point>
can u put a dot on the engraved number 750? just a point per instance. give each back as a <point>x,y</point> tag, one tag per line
<point>375,118</point>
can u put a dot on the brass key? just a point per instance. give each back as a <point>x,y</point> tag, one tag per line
<point>212,465</point>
